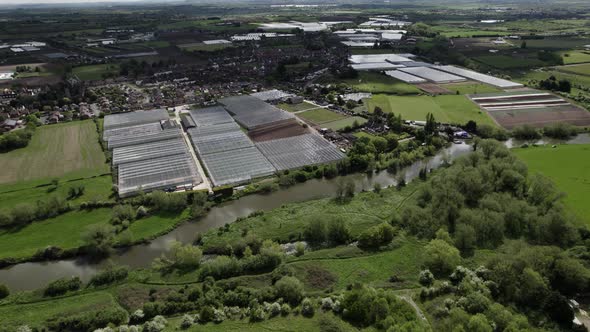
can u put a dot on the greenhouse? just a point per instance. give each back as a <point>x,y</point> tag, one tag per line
<point>236,166</point>
<point>134,118</point>
<point>117,142</point>
<point>299,151</point>
<point>163,173</point>
<point>149,151</point>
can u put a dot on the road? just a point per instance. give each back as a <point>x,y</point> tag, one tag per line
<point>205,184</point>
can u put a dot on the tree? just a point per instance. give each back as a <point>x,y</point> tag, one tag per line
<point>479,323</point>
<point>290,289</point>
<point>431,125</point>
<point>441,257</point>
<point>426,278</point>
<point>465,237</point>
<point>316,230</point>
<point>523,44</point>
<point>558,308</point>
<point>533,288</point>
<point>376,236</point>
<point>180,257</point>
<point>338,231</point>
<point>98,239</point>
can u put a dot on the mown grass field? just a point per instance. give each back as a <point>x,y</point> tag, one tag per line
<point>343,123</point>
<point>200,47</point>
<point>64,150</point>
<point>320,115</point>
<point>157,224</point>
<point>304,106</point>
<point>35,314</point>
<point>508,62</point>
<point>470,88</point>
<point>64,231</point>
<point>95,72</point>
<point>95,188</point>
<point>569,167</point>
<point>446,109</point>
<point>583,69</point>
<point>573,57</point>
<point>380,83</point>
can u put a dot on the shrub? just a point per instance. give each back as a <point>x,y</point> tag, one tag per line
<point>109,276</point>
<point>257,315</point>
<point>426,278</point>
<point>62,286</point>
<point>4,292</point>
<point>377,236</point>
<point>186,322</point>
<point>307,308</point>
<point>285,309</point>
<point>290,289</point>
<point>299,249</point>
<point>327,304</point>
<point>274,309</point>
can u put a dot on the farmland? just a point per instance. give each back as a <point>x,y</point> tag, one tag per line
<point>469,88</point>
<point>379,83</point>
<point>573,57</point>
<point>304,106</point>
<point>343,123</point>
<point>95,72</point>
<point>448,109</point>
<point>569,167</point>
<point>320,115</point>
<point>509,62</point>
<point>66,151</point>
<point>583,69</point>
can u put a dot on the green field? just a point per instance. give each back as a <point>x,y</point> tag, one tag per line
<point>446,108</point>
<point>573,57</point>
<point>304,106</point>
<point>147,228</point>
<point>556,43</point>
<point>569,167</point>
<point>380,83</point>
<point>509,62</point>
<point>68,150</point>
<point>405,261</point>
<point>35,314</point>
<point>64,231</point>
<point>96,188</point>
<point>343,123</point>
<point>95,72</point>
<point>363,211</point>
<point>320,115</point>
<point>200,47</point>
<point>470,88</point>
<point>577,69</point>
<point>290,323</point>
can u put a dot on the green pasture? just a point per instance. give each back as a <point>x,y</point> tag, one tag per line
<point>95,72</point>
<point>380,83</point>
<point>569,168</point>
<point>320,115</point>
<point>445,108</point>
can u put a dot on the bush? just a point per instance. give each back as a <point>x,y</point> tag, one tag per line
<point>62,286</point>
<point>290,289</point>
<point>274,309</point>
<point>299,249</point>
<point>4,292</point>
<point>186,322</point>
<point>285,309</point>
<point>426,278</point>
<point>109,276</point>
<point>257,315</point>
<point>559,130</point>
<point>89,321</point>
<point>307,308</point>
<point>377,236</point>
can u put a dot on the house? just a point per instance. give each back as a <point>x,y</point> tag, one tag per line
<point>54,117</point>
<point>9,124</point>
<point>295,100</point>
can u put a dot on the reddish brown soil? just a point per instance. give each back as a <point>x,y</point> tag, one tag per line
<point>540,117</point>
<point>282,130</point>
<point>433,89</point>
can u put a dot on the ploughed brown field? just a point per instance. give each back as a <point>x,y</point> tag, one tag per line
<point>539,117</point>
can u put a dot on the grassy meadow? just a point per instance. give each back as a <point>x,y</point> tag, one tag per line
<point>380,83</point>
<point>569,168</point>
<point>66,150</point>
<point>343,123</point>
<point>445,108</point>
<point>95,72</point>
<point>320,115</point>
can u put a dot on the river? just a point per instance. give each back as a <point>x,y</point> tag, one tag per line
<point>28,276</point>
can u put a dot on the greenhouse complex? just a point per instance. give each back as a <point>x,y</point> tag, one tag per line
<point>152,151</point>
